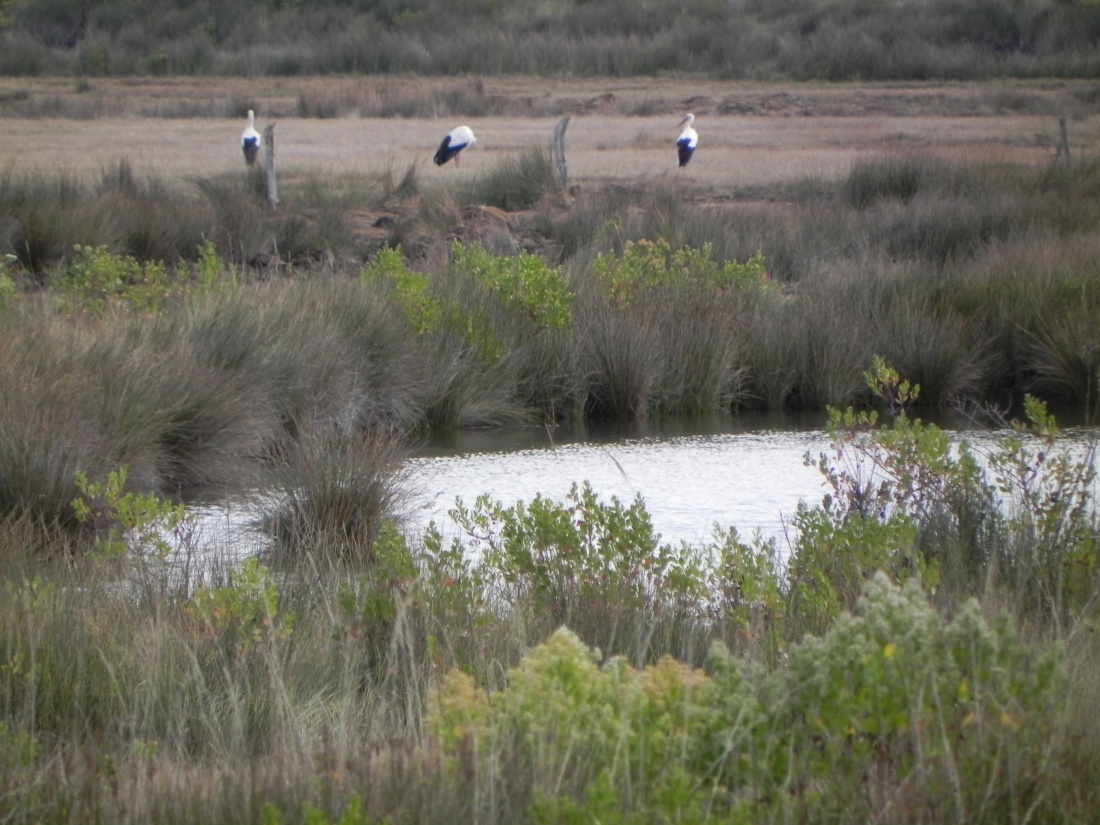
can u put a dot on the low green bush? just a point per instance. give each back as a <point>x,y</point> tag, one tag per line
<point>94,278</point>
<point>894,699</point>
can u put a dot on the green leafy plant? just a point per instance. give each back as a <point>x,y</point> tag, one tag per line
<point>565,559</point>
<point>8,290</point>
<point>244,612</point>
<point>945,719</point>
<point>18,749</point>
<point>932,717</point>
<point>427,313</point>
<point>369,606</point>
<point>595,741</point>
<point>411,290</point>
<point>209,269</point>
<point>909,500</point>
<point>646,265</point>
<point>748,585</point>
<point>882,482</point>
<point>95,278</point>
<point>524,282</point>
<point>1048,491</point>
<point>127,523</point>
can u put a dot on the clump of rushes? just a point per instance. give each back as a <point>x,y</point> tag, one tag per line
<point>515,183</point>
<point>663,331</point>
<point>333,491</point>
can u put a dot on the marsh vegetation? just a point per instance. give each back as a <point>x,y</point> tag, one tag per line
<point>365,675</point>
<point>753,39</point>
<point>923,651</point>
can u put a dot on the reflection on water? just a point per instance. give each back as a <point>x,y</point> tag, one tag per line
<point>744,472</point>
<point>747,471</point>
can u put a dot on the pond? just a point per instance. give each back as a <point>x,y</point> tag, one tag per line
<point>746,472</point>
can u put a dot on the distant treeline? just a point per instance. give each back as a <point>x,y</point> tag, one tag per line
<point>743,39</point>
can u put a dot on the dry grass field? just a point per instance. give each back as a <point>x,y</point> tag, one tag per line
<point>751,135</point>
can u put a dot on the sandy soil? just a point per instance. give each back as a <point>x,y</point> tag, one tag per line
<point>749,134</point>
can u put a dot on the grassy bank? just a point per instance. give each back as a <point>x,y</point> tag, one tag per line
<point>844,40</point>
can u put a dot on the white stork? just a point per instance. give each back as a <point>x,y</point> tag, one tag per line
<point>251,140</point>
<point>455,141</point>
<point>687,141</point>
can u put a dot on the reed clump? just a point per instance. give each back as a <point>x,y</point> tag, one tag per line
<point>332,494</point>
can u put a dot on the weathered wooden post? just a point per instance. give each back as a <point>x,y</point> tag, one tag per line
<point>559,150</point>
<point>269,165</point>
<point>1063,141</point>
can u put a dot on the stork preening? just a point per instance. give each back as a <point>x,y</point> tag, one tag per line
<point>687,141</point>
<point>456,140</point>
<point>251,140</point>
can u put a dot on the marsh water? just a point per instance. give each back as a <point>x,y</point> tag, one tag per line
<point>747,471</point>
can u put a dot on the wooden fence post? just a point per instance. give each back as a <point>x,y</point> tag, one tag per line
<point>1063,141</point>
<point>269,165</point>
<point>559,150</point>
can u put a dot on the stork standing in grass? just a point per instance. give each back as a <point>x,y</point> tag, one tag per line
<point>456,140</point>
<point>251,140</point>
<point>687,141</point>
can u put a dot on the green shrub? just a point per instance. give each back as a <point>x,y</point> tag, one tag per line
<point>95,278</point>
<point>908,709</point>
<point>580,740</point>
<point>126,523</point>
<point>945,718</point>
<point>906,499</point>
<point>8,290</point>
<point>649,265</point>
<point>595,567</point>
<point>523,282</point>
<point>245,611</point>
<point>411,290</point>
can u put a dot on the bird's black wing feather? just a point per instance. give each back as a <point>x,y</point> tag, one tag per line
<point>443,154</point>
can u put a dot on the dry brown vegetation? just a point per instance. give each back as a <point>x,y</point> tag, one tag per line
<point>751,134</point>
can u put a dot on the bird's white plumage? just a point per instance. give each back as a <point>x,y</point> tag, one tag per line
<point>454,142</point>
<point>687,141</point>
<point>250,139</point>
